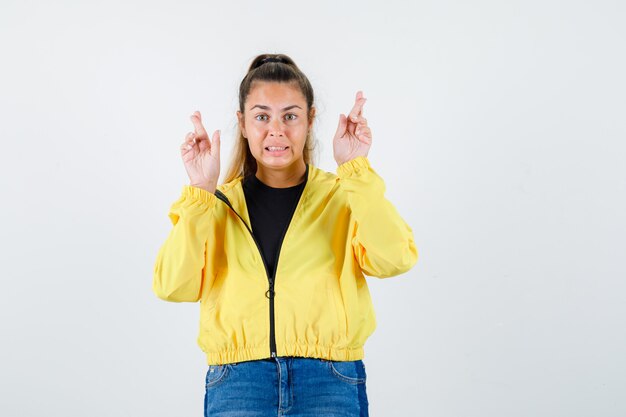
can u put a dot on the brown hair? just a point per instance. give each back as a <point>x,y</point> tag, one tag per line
<point>270,68</point>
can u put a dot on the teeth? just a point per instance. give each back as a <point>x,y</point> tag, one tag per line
<point>276,148</point>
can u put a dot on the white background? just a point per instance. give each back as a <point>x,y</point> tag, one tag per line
<point>498,127</point>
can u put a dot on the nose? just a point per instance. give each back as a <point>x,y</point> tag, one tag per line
<point>276,128</point>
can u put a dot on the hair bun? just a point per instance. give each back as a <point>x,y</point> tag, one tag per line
<point>262,59</point>
<point>271,59</point>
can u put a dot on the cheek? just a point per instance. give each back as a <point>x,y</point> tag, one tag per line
<point>298,132</point>
<point>253,128</point>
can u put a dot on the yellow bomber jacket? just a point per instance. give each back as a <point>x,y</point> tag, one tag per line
<point>317,303</point>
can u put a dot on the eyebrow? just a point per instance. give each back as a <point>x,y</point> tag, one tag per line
<point>269,108</point>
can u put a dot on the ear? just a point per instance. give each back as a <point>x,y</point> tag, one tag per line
<point>311,116</point>
<point>242,124</point>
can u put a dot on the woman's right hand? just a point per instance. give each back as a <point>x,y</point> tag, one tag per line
<point>201,157</point>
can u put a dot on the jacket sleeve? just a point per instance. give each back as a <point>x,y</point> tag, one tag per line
<point>382,241</point>
<point>180,263</point>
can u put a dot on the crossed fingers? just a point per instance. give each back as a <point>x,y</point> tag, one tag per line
<point>195,138</point>
<point>359,123</point>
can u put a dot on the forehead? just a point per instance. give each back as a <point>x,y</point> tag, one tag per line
<point>275,94</point>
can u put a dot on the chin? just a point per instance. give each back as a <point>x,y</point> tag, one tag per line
<point>273,162</point>
<point>277,164</point>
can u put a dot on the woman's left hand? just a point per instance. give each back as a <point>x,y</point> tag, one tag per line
<point>353,137</point>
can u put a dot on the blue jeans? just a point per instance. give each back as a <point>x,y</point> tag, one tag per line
<point>286,386</point>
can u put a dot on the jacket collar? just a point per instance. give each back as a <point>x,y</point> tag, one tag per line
<point>232,193</point>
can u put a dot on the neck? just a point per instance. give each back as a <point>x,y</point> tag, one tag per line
<point>282,178</point>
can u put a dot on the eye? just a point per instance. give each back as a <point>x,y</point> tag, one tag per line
<point>291,114</point>
<point>260,115</point>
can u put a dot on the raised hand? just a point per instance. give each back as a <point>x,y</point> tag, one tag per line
<point>201,157</point>
<point>353,137</point>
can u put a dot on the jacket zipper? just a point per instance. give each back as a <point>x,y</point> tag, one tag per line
<point>270,276</point>
<point>270,292</point>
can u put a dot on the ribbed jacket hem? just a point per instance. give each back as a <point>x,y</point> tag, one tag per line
<point>307,351</point>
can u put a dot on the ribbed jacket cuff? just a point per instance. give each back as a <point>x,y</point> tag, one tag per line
<point>353,167</point>
<point>199,195</point>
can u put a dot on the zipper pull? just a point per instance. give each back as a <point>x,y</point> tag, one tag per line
<point>270,293</point>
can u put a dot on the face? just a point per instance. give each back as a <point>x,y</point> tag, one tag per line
<point>275,124</point>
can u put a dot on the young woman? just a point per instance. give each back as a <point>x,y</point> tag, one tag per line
<point>277,254</point>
